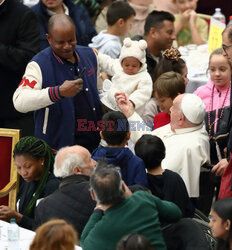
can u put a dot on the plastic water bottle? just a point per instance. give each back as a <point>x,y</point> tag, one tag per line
<point>219,16</point>
<point>13,235</point>
<point>230,21</point>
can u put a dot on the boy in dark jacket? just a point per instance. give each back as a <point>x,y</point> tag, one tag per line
<point>115,131</point>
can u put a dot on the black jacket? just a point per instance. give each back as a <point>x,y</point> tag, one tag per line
<point>71,202</point>
<point>84,27</point>
<point>26,191</point>
<point>19,42</point>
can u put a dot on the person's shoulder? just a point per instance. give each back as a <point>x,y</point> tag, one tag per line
<point>98,153</point>
<point>52,184</point>
<point>144,197</point>
<point>43,55</point>
<point>37,7</point>
<point>162,131</point>
<point>172,175</point>
<point>84,49</point>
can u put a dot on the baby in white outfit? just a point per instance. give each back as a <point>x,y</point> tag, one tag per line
<point>129,75</point>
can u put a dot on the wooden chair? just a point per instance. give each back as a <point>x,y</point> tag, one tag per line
<point>9,180</point>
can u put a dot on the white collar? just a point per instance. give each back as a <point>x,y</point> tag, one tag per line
<point>187,130</point>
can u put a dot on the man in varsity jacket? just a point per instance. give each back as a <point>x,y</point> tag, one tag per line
<point>60,85</point>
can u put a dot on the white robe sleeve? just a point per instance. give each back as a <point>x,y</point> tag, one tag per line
<point>107,64</point>
<point>29,95</point>
<point>138,127</point>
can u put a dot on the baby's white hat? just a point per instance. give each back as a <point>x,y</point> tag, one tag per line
<point>135,49</point>
<point>193,108</point>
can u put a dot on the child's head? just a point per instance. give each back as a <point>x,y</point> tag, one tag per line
<point>171,61</point>
<point>183,5</point>
<point>120,14</point>
<point>116,128</point>
<point>221,218</point>
<point>134,241</point>
<point>219,68</point>
<point>151,150</point>
<point>54,234</point>
<point>133,55</point>
<point>166,88</point>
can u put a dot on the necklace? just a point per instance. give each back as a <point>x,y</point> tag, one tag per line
<point>222,110</point>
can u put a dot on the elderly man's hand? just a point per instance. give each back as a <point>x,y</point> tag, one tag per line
<point>6,214</point>
<point>71,88</point>
<point>124,104</point>
<point>220,167</point>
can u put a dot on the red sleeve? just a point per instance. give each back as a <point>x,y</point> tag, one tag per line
<point>161,119</point>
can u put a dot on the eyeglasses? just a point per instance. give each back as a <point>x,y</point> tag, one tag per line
<point>226,47</point>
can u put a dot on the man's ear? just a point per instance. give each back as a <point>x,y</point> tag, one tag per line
<point>120,22</point>
<point>77,170</point>
<point>128,134</point>
<point>48,37</point>
<point>152,32</point>
<point>101,135</point>
<point>227,225</point>
<point>92,194</point>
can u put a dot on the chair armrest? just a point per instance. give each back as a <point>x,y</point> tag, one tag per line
<point>8,188</point>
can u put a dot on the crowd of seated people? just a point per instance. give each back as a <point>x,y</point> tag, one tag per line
<point>121,179</point>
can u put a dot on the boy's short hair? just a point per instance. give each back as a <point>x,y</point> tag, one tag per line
<point>169,84</point>
<point>155,19</point>
<point>151,150</point>
<point>117,10</point>
<point>116,127</point>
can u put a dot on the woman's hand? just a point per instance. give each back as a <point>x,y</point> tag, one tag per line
<point>124,104</point>
<point>6,214</point>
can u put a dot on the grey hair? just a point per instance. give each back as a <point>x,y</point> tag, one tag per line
<point>106,183</point>
<point>65,168</point>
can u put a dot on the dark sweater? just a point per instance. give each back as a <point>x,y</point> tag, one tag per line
<point>138,213</point>
<point>170,186</point>
<point>25,194</point>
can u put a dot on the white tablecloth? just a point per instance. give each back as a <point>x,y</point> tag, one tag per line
<point>197,61</point>
<point>26,237</point>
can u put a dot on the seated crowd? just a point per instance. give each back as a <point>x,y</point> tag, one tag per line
<point>114,157</point>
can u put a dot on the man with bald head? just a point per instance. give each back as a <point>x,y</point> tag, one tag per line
<point>60,85</point>
<point>185,138</point>
<point>72,201</point>
<point>44,9</point>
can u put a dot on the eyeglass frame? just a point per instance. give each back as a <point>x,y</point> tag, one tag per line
<point>226,47</point>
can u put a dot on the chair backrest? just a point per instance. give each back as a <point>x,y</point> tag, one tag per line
<point>9,180</point>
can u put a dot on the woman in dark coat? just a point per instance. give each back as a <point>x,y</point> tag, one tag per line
<point>34,161</point>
